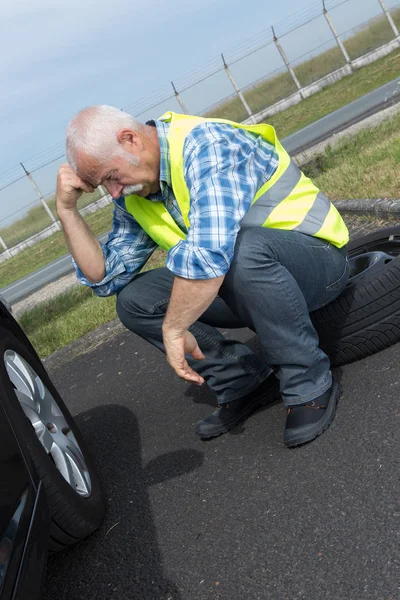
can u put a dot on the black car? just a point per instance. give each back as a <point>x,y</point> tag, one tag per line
<point>50,495</point>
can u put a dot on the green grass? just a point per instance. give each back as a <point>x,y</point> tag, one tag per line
<point>37,219</point>
<point>56,323</point>
<point>365,165</point>
<point>376,33</point>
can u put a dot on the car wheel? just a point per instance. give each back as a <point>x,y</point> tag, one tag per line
<point>47,431</point>
<point>365,318</point>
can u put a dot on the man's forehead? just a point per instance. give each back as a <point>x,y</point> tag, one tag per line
<point>89,169</point>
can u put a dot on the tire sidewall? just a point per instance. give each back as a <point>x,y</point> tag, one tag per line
<point>91,508</point>
<point>364,318</point>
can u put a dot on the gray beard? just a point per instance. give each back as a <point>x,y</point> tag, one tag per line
<point>132,189</point>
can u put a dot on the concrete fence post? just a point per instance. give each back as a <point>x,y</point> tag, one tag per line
<point>6,250</point>
<point>181,103</point>
<point>238,91</point>
<point>287,63</point>
<point>42,200</point>
<point>335,35</point>
<point>103,191</point>
<point>390,19</point>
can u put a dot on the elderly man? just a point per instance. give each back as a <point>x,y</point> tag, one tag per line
<point>251,242</point>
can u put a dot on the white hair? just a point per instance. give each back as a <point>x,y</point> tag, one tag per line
<point>94,130</point>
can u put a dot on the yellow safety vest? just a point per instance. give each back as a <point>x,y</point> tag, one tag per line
<point>289,200</point>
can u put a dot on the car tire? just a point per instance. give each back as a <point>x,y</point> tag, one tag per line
<point>74,515</point>
<point>365,318</point>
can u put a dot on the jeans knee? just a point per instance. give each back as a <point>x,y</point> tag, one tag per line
<point>122,306</point>
<point>251,253</point>
<point>128,309</point>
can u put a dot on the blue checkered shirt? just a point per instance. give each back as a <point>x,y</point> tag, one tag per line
<point>224,167</point>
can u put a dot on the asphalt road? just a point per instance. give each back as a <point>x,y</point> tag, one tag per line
<point>240,517</point>
<point>371,103</point>
<point>381,98</point>
<point>18,290</point>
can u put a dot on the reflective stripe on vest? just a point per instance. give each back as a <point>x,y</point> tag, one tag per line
<point>260,210</point>
<point>289,200</point>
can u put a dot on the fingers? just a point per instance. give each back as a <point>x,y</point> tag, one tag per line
<point>86,187</point>
<point>184,371</point>
<point>70,187</point>
<point>197,354</point>
<point>187,373</point>
<point>176,348</point>
<point>68,177</point>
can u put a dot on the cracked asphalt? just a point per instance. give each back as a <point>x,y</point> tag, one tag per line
<point>241,516</point>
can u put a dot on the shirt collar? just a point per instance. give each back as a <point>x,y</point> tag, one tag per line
<point>165,167</point>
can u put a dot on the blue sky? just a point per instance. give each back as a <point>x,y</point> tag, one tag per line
<point>59,57</point>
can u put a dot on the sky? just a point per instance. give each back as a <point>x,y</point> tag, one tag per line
<point>58,57</point>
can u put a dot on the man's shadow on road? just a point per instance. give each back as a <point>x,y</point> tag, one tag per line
<point>122,560</point>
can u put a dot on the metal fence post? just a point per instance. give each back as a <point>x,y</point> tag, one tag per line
<point>285,60</point>
<point>182,105</point>
<point>389,18</point>
<point>237,90</point>
<point>42,200</point>
<point>335,35</point>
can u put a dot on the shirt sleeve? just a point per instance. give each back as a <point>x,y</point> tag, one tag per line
<point>224,167</point>
<point>126,251</point>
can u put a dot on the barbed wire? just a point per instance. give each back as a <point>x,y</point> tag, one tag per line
<point>218,103</point>
<point>138,114</point>
<point>49,162</point>
<point>221,68</point>
<point>250,53</point>
<point>12,181</point>
<point>35,202</point>
<point>270,75</point>
<point>359,26</point>
<point>185,81</point>
<point>311,53</point>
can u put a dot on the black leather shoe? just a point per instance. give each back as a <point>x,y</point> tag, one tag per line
<point>307,421</point>
<point>229,414</point>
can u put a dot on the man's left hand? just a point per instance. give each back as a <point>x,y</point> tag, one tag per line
<point>177,344</point>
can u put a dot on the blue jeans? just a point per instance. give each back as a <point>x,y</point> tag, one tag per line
<point>276,278</point>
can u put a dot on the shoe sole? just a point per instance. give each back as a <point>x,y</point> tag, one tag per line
<point>297,437</point>
<point>234,422</point>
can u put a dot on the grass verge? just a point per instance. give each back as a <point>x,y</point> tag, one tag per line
<point>365,165</point>
<point>56,323</point>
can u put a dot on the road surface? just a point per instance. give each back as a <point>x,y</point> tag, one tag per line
<point>239,517</point>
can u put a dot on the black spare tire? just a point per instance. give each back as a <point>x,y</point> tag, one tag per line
<point>365,318</point>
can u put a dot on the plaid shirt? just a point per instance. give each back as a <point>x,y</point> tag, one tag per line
<point>224,167</point>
